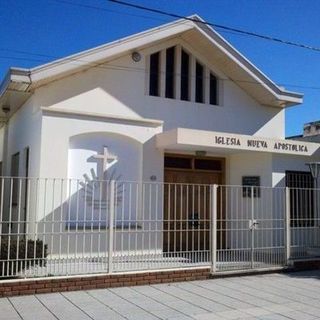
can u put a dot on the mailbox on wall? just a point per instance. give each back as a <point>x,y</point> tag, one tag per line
<point>249,184</point>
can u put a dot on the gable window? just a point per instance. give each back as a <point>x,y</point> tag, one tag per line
<point>185,76</point>
<point>213,89</point>
<point>199,83</point>
<point>154,80</point>
<point>170,72</point>
<point>170,65</point>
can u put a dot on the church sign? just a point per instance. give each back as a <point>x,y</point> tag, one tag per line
<point>201,139</point>
<point>261,144</point>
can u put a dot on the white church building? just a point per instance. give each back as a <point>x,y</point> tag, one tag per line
<point>173,105</point>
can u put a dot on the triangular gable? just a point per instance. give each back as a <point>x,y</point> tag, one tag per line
<point>231,62</point>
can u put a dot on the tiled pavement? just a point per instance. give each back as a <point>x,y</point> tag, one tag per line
<point>273,296</point>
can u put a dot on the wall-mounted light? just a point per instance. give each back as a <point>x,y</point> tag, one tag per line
<point>136,56</point>
<point>153,178</point>
<point>314,168</point>
<point>6,108</point>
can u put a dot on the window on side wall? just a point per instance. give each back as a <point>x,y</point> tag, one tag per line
<point>302,198</point>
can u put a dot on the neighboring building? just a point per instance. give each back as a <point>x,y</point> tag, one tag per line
<point>311,133</point>
<point>176,103</point>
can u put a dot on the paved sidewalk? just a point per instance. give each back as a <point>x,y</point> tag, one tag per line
<point>273,296</point>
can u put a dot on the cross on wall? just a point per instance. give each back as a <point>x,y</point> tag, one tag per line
<point>107,159</point>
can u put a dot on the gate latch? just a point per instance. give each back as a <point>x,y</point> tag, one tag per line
<point>253,224</point>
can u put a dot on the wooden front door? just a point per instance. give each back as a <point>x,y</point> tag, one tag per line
<point>187,202</point>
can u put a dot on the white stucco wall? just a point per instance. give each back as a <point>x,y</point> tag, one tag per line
<point>249,164</point>
<point>24,130</point>
<point>83,149</point>
<point>55,147</point>
<point>119,87</point>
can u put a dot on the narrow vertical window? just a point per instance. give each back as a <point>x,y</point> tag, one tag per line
<point>26,161</point>
<point>14,175</point>
<point>185,76</point>
<point>213,89</point>
<point>199,83</point>
<point>154,79</point>
<point>170,72</point>
<point>25,187</point>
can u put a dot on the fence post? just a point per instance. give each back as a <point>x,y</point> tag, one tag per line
<point>111,220</point>
<point>287,226</point>
<point>252,226</point>
<point>214,209</point>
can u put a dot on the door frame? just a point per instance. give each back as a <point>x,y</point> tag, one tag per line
<point>193,157</point>
<point>192,169</point>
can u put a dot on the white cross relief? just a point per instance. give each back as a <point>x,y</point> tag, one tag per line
<point>108,160</point>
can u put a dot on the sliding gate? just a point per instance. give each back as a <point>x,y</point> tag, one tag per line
<point>251,228</point>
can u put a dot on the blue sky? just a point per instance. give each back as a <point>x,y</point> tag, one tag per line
<point>58,29</point>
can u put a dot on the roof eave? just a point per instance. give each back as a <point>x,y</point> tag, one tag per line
<point>16,79</point>
<point>289,100</point>
<point>94,56</point>
<point>291,96</point>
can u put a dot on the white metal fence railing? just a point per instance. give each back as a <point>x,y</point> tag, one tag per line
<point>251,227</point>
<point>304,222</point>
<point>65,226</point>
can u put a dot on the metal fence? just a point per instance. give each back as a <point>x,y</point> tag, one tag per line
<point>64,227</point>
<point>251,228</point>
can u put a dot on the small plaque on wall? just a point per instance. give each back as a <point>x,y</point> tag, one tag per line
<point>249,184</point>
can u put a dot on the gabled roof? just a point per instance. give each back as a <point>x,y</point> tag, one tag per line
<point>20,83</point>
